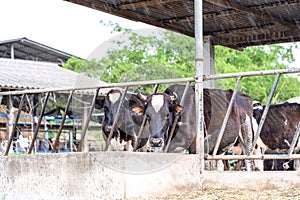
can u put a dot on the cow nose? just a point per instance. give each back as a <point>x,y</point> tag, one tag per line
<point>156,142</point>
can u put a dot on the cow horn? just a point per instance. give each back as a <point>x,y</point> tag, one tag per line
<point>173,97</point>
<point>141,96</point>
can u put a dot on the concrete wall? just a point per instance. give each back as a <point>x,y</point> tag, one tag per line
<point>101,175</point>
<point>121,175</point>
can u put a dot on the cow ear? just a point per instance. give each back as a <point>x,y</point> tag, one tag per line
<point>178,109</point>
<point>99,103</point>
<point>138,110</point>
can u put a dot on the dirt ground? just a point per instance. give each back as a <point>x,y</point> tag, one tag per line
<point>216,194</point>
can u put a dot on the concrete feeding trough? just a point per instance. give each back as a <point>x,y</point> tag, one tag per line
<point>121,175</point>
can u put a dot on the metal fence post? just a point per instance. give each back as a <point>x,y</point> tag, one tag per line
<point>198,5</point>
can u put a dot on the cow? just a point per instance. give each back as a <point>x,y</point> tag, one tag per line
<point>278,131</point>
<point>162,108</point>
<point>125,133</point>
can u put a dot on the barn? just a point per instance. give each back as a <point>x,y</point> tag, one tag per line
<point>26,64</point>
<point>121,175</point>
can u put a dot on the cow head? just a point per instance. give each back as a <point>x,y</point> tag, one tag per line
<point>127,118</point>
<point>161,111</point>
<point>257,105</point>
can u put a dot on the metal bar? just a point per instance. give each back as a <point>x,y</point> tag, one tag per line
<point>177,117</point>
<point>152,82</point>
<point>116,119</point>
<point>253,73</point>
<point>62,121</point>
<point>71,140</point>
<point>235,91</point>
<point>144,121</point>
<point>104,85</point>
<point>253,157</point>
<point>263,117</point>
<point>295,138</point>
<point>86,124</point>
<point>199,78</point>
<point>155,89</point>
<point>12,52</point>
<point>15,125</point>
<point>38,123</point>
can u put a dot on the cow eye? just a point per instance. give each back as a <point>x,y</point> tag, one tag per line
<point>167,116</point>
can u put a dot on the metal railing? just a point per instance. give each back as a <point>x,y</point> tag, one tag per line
<point>156,83</point>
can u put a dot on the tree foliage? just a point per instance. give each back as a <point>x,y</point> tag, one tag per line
<point>170,55</point>
<point>258,58</point>
<point>90,68</point>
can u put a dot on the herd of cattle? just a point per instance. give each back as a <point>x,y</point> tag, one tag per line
<point>166,122</point>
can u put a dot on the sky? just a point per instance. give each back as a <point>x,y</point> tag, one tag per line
<point>59,24</point>
<point>63,25</point>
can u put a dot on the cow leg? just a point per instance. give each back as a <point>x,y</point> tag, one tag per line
<point>129,146</point>
<point>297,165</point>
<point>116,144</point>
<point>246,140</point>
<point>220,165</point>
<point>142,149</point>
<point>258,164</point>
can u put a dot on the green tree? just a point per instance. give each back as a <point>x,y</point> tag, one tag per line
<point>148,58</point>
<point>90,68</point>
<point>171,55</point>
<point>258,58</point>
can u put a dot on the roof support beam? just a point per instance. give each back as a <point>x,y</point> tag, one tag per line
<point>231,12</point>
<point>12,52</point>
<point>257,39</point>
<point>256,7</point>
<point>257,13</point>
<point>141,4</point>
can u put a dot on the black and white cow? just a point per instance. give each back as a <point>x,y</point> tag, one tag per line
<point>125,134</point>
<point>161,109</point>
<point>278,131</point>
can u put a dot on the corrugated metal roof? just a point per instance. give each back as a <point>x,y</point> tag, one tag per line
<point>23,48</point>
<point>233,23</point>
<point>24,74</point>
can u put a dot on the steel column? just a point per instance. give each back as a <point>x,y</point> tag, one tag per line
<point>144,122</point>
<point>235,91</point>
<point>199,78</point>
<point>263,117</point>
<point>39,123</point>
<point>15,125</point>
<point>177,117</point>
<point>116,119</point>
<point>86,124</point>
<point>62,121</point>
<point>295,138</point>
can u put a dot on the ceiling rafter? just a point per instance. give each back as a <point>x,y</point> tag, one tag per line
<point>257,13</point>
<point>282,35</point>
<point>37,55</point>
<point>225,13</point>
<point>129,15</point>
<point>245,30</point>
<point>227,20</point>
<point>256,7</point>
<point>141,4</point>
